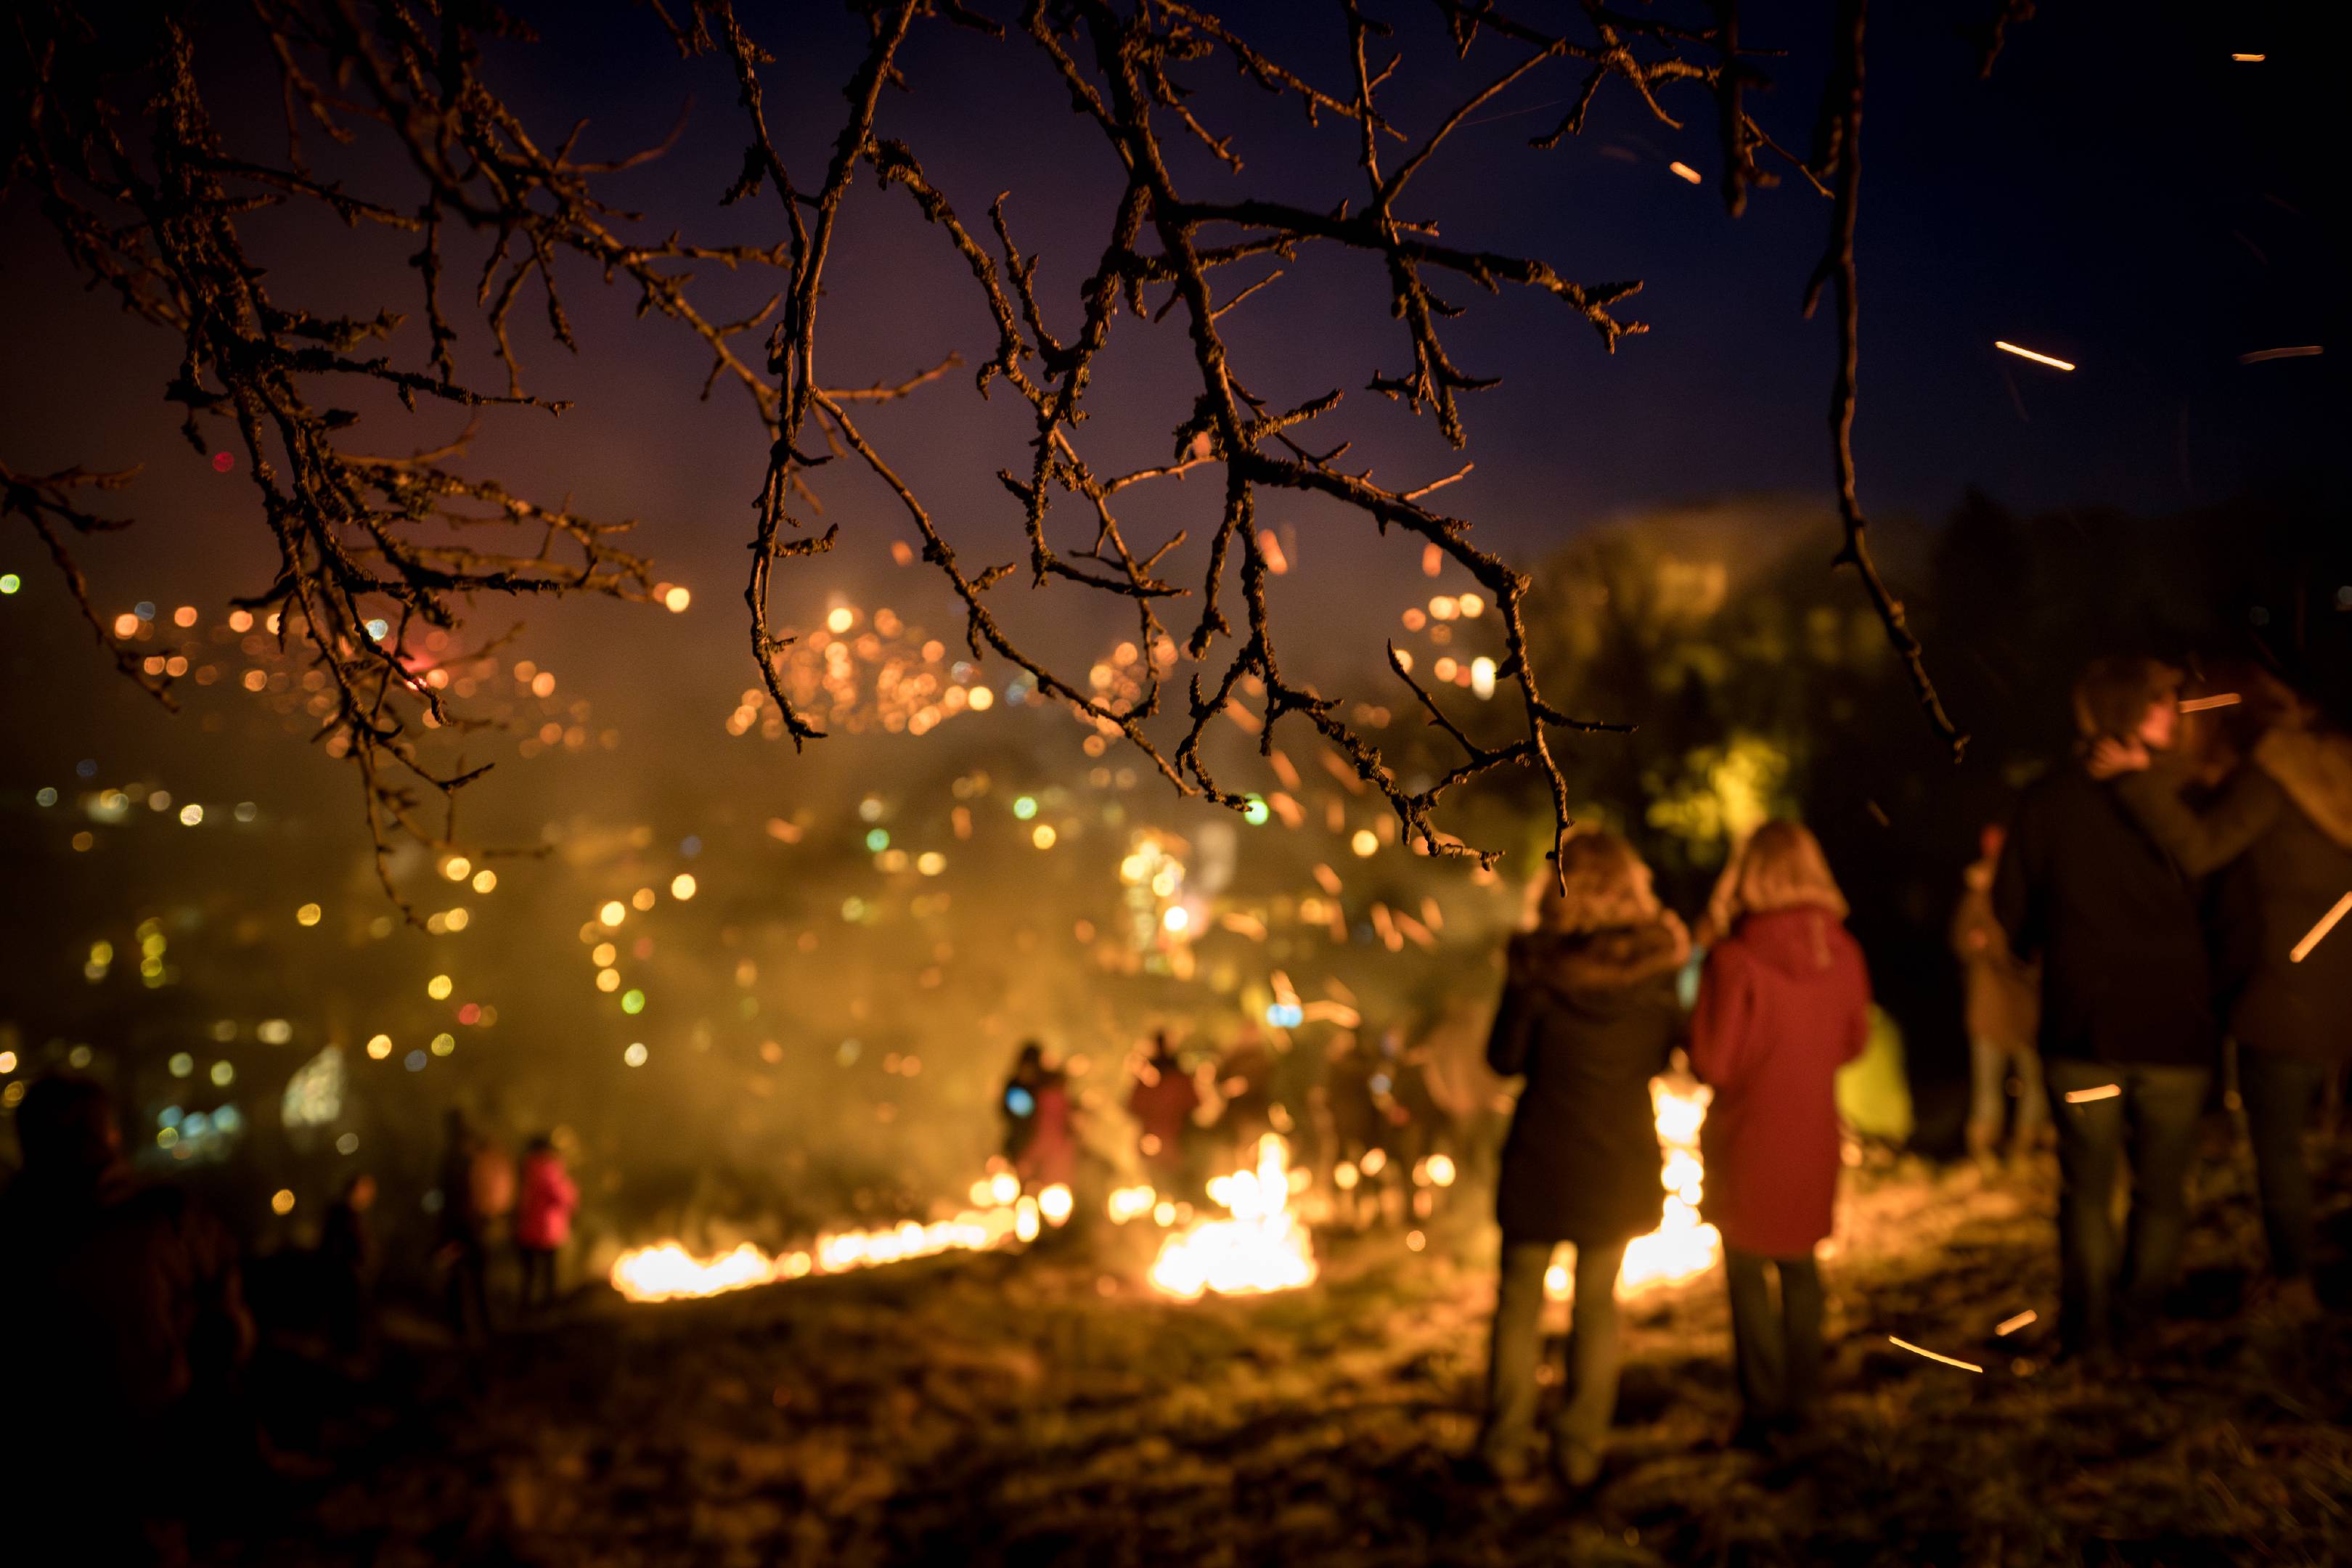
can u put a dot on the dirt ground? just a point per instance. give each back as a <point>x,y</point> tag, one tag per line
<point>1047,1408</point>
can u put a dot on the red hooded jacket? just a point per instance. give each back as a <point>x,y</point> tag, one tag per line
<point>543,1219</point>
<point>1783,1004</point>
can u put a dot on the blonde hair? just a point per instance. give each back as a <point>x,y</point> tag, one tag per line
<point>1781,866</point>
<point>1600,882</point>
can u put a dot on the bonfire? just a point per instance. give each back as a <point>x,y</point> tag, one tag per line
<point>1264,1246</point>
<point>1683,1247</point>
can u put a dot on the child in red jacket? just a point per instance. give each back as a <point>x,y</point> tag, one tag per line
<point>1783,1002</point>
<point>543,1219</point>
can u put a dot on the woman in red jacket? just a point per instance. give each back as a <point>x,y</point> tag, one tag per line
<point>1782,1005</point>
<point>543,1219</point>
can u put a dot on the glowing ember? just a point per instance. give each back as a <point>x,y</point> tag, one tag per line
<point>1683,1245</point>
<point>2084,1096</point>
<point>1263,1247</point>
<point>2028,353</point>
<point>1131,1202</point>
<point>1933,1356</point>
<point>2327,922</point>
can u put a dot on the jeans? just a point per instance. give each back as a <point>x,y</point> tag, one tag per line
<point>1583,1421</point>
<point>1776,1350</point>
<point>2153,1119</point>
<point>2277,1089</point>
<point>1989,1063</point>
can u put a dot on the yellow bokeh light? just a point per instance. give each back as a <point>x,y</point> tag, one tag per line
<point>282,1201</point>
<point>380,1047</point>
<point>439,988</point>
<point>677,600</point>
<point>634,1056</point>
<point>1365,842</point>
<point>444,1044</point>
<point>484,879</point>
<point>681,886</point>
<point>642,899</point>
<point>457,919</point>
<point>1043,836</point>
<point>603,954</point>
<point>608,980</point>
<point>307,915</point>
<point>458,868</point>
<point>838,622</point>
<point>612,913</point>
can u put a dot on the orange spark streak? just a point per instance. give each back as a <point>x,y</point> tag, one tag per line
<point>2010,1325</point>
<point>2200,704</point>
<point>2008,348</point>
<point>2301,350</point>
<point>1931,1355</point>
<point>1687,171</point>
<point>2327,923</point>
<point>2084,1096</point>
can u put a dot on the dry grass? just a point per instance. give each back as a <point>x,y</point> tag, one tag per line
<point>1001,1409</point>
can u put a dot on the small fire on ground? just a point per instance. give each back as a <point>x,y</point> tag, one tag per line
<point>1264,1246</point>
<point>1683,1247</point>
<point>667,1272</point>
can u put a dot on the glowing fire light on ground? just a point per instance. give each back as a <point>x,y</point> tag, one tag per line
<point>1263,1247</point>
<point>1683,1247</point>
<point>667,1271</point>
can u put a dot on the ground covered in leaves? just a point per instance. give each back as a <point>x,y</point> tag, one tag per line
<point>1048,1409</point>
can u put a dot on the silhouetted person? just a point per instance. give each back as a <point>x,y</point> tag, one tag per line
<point>2005,996</point>
<point>543,1219</point>
<point>124,1323</point>
<point>1783,1002</point>
<point>2277,838</point>
<point>2126,1033</point>
<point>349,1262</point>
<point>477,1193</point>
<point>1040,1140</point>
<point>1588,1017</point>
<point>1163,1102</point>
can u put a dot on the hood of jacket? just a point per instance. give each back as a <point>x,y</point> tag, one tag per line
<point>1587,964</point>
<point>1796,941</point>
<point>2315,768</point>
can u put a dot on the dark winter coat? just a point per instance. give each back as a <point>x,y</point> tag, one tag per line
<point>1782,1005</point>
<point>2113,920</point>
<point>1589,1020</point>
<point>2278,838</point>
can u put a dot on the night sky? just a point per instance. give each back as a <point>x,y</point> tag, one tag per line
<point>2128,199</point>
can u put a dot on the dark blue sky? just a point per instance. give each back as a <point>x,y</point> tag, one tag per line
<point>2121,195</point>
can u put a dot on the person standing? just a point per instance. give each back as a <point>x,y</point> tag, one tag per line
<point>1040,1141</point>
<point>2004,999</point>
<point>543,1219</point>
<point>1783,1002</point>
<point>348,1262</point>
<point>1588,1018</point>
<point>1163,1102</point>
<point>2127,1031</point>
<point>2277,838</point>
<point>125,1323</point>
<point>476,1194</point>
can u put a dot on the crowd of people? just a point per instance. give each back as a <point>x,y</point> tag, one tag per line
<point>2160,901</point>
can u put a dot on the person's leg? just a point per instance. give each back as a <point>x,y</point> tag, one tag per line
<point>2090,1143</point>
<point>1593,1362</point>
<point>2164,1104</point>
<point>1801,1331</point>
<point>1511,1360</point>
<point>1988,1095</point>
<point>1755,1344</point>
<point>2278,1089</point>
<point>2032,1103</point>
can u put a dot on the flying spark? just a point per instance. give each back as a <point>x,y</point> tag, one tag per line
<point>2028,353</point>
<point>2304,351</point>
<point>2250,59</point>
<point>2327,923</point>
<point>2110,1091</point>
<point>1686,172</point>
<point>2010,1325</point>
<point>2200,704</point>
<point>1931,1355</point>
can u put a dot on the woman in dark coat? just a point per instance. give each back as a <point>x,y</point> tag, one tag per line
<point>2277,839</point>
<point>1588,1017</point>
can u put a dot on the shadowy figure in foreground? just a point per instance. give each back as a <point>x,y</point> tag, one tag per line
<point>1589,1016</point>
<point>476,1195</point>
<point>125,1325</point>
<point>2277,837</point>
<point>2126,1033</point>
<point>349,1261</point>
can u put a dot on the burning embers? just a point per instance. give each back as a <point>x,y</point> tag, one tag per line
<point>668,1272</point>
<point>1263,1247</point>
<point>1682,1247</point>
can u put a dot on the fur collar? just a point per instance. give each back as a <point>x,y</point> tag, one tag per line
<point>1607,960</point>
